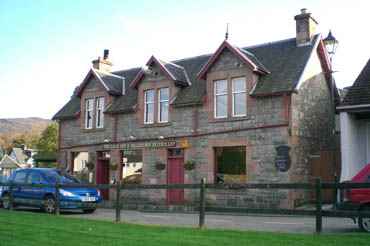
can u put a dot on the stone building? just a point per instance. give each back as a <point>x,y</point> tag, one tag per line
<point>240,114</point>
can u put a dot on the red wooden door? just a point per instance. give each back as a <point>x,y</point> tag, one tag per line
<point>175,175</point>
<point>102,176</point>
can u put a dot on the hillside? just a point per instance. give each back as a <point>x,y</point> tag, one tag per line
<point>22,125</point>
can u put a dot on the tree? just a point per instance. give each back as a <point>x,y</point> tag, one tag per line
<point>48,140</point>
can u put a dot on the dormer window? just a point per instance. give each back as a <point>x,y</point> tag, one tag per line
<point>94,107</point>
<point>100,112</point>
<point>163,101</point>
<point>89,110</point>
<point>230,98</point>
<point>156,105</point>
<point>149,106</point>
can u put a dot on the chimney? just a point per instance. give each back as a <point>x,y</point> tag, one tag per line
<point>103,64</point>
<point>305,27</point>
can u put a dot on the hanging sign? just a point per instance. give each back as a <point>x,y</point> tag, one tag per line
<point>152,144</point>
<point>282,159</point>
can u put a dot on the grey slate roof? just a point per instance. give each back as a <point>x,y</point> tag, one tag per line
<point>283,59</point>
<point>113,82</point>
<point>286,63</point>
<point>359,92</point>
<point>69,110</point>
<point>178,72</point>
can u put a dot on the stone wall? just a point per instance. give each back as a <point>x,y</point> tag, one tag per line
<point>312,128</point>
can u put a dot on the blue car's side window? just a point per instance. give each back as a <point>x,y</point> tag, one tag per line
<point>20,177</point>
<point>34,178</point>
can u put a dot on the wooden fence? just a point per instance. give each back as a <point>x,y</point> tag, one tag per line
<point>316,186</point>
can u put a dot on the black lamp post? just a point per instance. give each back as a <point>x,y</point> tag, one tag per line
<point>331,44</point>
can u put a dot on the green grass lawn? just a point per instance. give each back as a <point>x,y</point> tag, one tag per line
<point>27,229</point>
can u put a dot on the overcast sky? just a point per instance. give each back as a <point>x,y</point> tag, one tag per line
<point>46,47</point>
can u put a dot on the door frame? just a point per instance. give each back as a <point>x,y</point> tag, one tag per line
<point>169,157</point>
<point>100,161</point>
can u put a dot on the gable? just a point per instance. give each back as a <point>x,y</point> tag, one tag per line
<point>245,56</point>
<point>227,61</point>
<point>111,83</point>
<point>156,67</point>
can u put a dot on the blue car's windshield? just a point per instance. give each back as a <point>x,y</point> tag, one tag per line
<point>63,178</point>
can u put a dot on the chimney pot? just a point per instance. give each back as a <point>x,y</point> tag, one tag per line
<point>103,64</point>
<point>305,27</point>
<point>106,54</point>
<point>304,11</point>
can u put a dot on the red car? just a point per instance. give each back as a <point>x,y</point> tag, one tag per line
<point>359,199</point>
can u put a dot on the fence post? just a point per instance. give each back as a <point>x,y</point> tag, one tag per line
<point>57,198</point>
<point>118,204</point>
<point>202,203</point>
<point>335,192</point>
<point>318,205</point>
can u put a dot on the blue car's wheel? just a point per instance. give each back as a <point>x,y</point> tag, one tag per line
<point>6,201</point>
<point>49,204</point>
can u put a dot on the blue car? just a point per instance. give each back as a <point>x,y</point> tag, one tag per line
<point>44,197</point>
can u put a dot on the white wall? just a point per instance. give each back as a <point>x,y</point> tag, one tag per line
<point>354,145</point>
<point>80,160</point>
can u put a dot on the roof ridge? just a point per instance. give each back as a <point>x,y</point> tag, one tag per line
<point>109,74</point>
<point>209,54</point>
<point>268,43</point>
<point>174,64</point>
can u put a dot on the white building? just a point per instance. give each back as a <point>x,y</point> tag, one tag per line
<point>355,125</point>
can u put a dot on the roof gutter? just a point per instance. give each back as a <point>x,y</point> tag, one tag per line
<point>360,106</point>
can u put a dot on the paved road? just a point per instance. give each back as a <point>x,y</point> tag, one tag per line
<point>291,224</point>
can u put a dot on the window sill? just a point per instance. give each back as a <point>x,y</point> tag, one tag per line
<point>230,119</point>
<point>92,130</point>
<point>156,125</point>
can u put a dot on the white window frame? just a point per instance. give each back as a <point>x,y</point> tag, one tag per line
<point>160,101</point>
<point>233,92</point>
<point>146,103</point>
<point>99,119</point>
<point>215,98</point>
<point>89,107</point>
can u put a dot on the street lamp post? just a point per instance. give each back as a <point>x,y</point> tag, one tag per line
<point>331,44</point>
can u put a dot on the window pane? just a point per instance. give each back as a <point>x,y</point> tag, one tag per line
<point>89,107</point>
<point>163,116</point>
<point>149,106</point>
<point>240,104</point>
<point>220,86</point>
<point>164,94</point>
<point>149,96</point>
<point>239,84</point>
<point>221,106</point>
<point>100,112</point>
<point>20,177</point>
<point>149,116</point>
